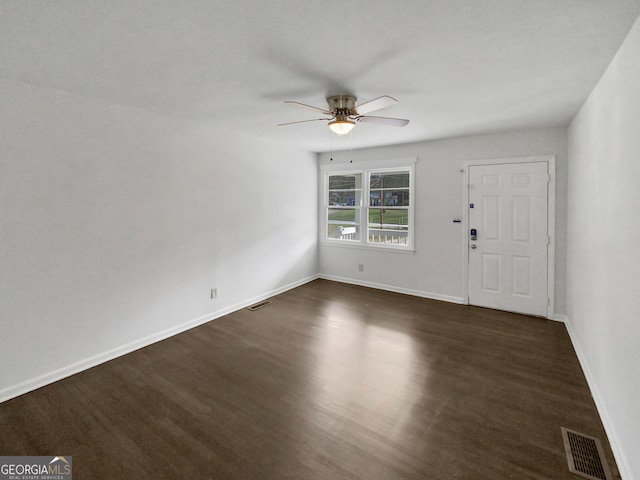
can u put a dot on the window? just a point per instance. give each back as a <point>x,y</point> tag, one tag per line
<point>344,206</point>
<point>389,203</point>
<point>370,207</point>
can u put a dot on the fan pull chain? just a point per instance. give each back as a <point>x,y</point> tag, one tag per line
<point>351,144</point>
<point>331,146</point>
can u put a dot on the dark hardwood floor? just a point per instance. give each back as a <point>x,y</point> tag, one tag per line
<point>331,381</point>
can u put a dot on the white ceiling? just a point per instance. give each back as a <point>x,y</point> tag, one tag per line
<point>457,67</point>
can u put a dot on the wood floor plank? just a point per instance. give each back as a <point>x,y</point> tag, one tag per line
<point>331,381</point>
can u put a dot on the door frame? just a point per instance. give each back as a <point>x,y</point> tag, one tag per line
<point>551,221</point>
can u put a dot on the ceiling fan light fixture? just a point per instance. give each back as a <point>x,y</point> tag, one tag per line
<point>341,125</point>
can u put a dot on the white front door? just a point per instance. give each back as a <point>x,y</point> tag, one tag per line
<point>508,209</point>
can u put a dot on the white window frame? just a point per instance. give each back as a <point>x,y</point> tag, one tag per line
<point>360,208</point>
<point>366,169</point>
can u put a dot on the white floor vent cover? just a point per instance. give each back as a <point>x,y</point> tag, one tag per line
<point>260,305</point>
<point>585,456</point>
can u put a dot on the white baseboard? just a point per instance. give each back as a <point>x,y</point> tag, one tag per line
<point>597,398</point>
<point>559,317</point>
<point>392,288</point>
<point>77,367</point>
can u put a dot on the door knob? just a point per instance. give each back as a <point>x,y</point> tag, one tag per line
<point>473,246</point>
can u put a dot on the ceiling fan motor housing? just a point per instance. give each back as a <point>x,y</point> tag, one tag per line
<point>341,103</point>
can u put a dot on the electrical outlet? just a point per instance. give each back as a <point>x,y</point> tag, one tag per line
<point>361,267</point>
<point>214,293</point>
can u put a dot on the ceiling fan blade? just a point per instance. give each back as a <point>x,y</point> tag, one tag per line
<point>392,122</point>
<point>375,104</point>
<point>308,107</point>
<point>303,121</point>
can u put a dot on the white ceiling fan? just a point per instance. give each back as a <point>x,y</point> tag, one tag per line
<point>343,113</point>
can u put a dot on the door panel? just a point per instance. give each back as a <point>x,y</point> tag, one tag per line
<point>508,206</point>
<point>490,272</point>
<point>521,214</point>
<point>491,219</point>
<point>521,275</point>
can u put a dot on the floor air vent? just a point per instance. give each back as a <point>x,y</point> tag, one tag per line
<point>260,305</point>
<point>585,456</point>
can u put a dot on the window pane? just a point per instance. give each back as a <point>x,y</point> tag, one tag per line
<point>345,198</point>
<point>389,180</point>
<point>398,237</point>
<point>343,223</point>
<point>343,232</point>
<point>345,182</point>
<point>389,198</point>
<point>388,226</point>
<point>347,215</point>
<point>389,219</point>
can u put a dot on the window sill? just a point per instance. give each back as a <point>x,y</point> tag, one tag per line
<point>360,246</point>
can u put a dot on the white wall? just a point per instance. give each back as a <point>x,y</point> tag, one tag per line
<point>436,268</point>
<point>115,223</point>
<point>603,266</point>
